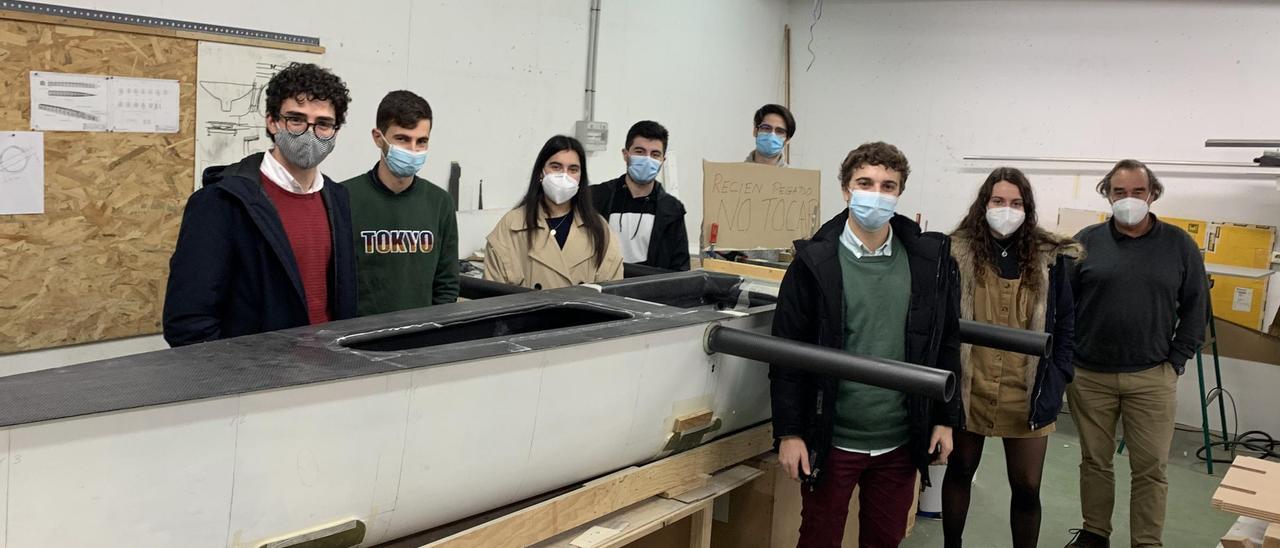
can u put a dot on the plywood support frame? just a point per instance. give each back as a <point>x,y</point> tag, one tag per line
<point>612,493</point>
<point>1251,488</point>
<point>743,269</point>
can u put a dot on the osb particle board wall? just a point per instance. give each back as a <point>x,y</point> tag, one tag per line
<point>94,266</point>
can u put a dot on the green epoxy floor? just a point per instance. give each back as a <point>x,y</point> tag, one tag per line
<point>1190,521</point>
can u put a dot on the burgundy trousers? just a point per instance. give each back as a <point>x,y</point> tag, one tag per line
<point>888,484</point>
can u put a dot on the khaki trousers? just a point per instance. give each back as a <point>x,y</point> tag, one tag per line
<point>1145,401</point>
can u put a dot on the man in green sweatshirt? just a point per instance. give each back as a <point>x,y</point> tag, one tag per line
<point>405,227</point>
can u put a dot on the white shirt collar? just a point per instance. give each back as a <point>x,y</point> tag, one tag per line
<point>859,250</point>
<point>276,172</point>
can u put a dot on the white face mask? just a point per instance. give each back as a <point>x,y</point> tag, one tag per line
<point>1005,220</point>
<point>560,187</point>
<point>1130,211</point>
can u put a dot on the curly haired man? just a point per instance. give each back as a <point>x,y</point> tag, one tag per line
<point>266,243</point>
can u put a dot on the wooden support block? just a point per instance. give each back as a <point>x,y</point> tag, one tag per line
<point>658,522</point>
<point>743,269</point>
<point>693,421</point>
<point>610,493</point>
<point>698,482</point>
<point>1271,539</point>
<point>1251,488</point>
<point>700,529</point>
<point>1237,542</point>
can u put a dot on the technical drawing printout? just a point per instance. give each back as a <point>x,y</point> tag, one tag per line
<point>69,102</point>
<point>144,105</point>
<point>84,102</point>
<point>21,172</point>
<point>231,105</point>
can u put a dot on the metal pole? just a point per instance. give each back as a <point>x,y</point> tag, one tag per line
<point>1109,161</point>
<point>1204,415</point>
<point>1241,143</point>
<point>593,40</point>
<point>904,377</point>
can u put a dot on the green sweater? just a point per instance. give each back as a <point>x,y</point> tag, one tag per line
<point>877,292</point>
<point>406,245</point>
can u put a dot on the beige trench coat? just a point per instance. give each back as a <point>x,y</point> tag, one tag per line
<point>509,259</point>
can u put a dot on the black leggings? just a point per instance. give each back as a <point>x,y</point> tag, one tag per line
<point>1025,458</point>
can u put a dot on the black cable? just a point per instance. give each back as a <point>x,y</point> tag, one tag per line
<point>817,14</point>
<point>1254,441</point>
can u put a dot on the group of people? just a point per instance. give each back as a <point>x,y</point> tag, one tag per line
<point>1125,302</point>
<point>271,243</point>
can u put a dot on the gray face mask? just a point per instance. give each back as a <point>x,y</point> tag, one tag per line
<point>305,151</point>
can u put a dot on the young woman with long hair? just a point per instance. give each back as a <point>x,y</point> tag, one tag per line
<point>1012,273</point>
<point>554,237</point>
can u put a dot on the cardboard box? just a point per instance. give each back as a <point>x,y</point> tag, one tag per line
<point>1199,230</point>
<point>1239,300</point>
<point>1072,221</point>
<point>1242,343</point>
<point>1240,245</point>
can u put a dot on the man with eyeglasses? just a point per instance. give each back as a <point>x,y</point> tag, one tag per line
<point>649,222</point>
<point>1141,298</point>
<point>774,127</point>
<point>265,244</point>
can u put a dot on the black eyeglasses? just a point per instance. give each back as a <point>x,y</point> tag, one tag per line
<point>779,131</point>
<point>297,125</point>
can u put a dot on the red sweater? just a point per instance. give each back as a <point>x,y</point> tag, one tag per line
<point>306,222</point>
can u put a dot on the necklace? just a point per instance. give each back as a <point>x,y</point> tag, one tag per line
<point>1004,250</point>
<point>559,224</point>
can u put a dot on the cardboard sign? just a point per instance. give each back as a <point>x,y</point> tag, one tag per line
<point>755,206</point>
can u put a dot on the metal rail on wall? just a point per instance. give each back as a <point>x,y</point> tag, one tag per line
<point>35,11</point>
<point>1235,169</point>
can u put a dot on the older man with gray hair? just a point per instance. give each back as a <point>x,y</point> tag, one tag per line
<point>1141,298</point>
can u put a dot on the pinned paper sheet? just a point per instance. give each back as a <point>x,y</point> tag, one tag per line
<point>68,102</point>
<point>594,536</point>
<point>85,102</point>
<point>144,105</point>
<point>21,172</point>
<point>231,107</point>
<point>1243,299</point>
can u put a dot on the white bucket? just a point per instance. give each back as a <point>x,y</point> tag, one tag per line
<point>931,497</point>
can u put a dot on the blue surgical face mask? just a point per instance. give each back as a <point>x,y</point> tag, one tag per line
<point>401,162</point>
<point>643,169</point>
<point>769,144</point>
<point>871,210</point>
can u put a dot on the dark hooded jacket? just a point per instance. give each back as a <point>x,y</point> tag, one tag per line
<point>233,272</point>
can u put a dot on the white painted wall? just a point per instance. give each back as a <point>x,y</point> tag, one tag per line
<point>1145,79</point>
<point>503,76</point>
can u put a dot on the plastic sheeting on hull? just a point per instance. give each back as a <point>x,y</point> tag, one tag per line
<point>405,421</point>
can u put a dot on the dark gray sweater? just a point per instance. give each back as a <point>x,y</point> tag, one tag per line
<point>1139,301</point>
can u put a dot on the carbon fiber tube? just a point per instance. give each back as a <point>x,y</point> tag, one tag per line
<point>634,270</point>
<point>904,377</point>
<point>478,288</point>
<point>1022,341</point>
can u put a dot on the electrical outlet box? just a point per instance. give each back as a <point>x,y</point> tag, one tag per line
<point>593,134</point>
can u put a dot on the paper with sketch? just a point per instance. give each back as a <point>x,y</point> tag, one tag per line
<point>85,102</point>
<point>69,102</point>
<point>21,172</point>
<point>231,105</point>
<point>144,105</point>
<point>755,206</point>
